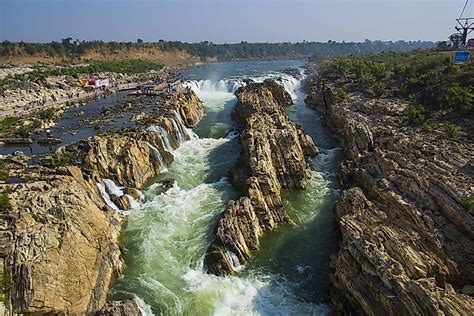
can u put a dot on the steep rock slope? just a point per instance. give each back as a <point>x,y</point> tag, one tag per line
<point>274,152</point>
<point>60,236</point>
<point>407,241</point>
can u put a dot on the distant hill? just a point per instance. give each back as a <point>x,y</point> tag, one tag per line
<point>179,52</point>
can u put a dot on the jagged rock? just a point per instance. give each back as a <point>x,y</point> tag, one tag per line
<point>133,156</point>
<point>406,239</point>
<point>273,157</point>
<point>59,237</point>
<point>237,232</point>
<point>120,308</point>
<point>167,184</point>
<point>62,247</point>
<point>134,193</point>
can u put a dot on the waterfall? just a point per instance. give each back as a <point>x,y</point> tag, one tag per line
<point>112,188</point>
<point>177,132</point>
<point>203,87</point>
<point>106,196</point>
<point>182,132</point>
<point>163,135</point>
<point>157,156</point>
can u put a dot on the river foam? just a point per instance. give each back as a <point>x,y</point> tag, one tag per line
<point>169,232</point>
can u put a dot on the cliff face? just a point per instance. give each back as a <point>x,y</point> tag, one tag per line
<point>61,233</point>
<point>273,157</point>
<point>406,238</point>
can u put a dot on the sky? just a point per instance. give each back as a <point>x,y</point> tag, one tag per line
<point>229,21</point>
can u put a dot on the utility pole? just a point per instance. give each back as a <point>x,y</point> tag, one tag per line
<point>466,26</point>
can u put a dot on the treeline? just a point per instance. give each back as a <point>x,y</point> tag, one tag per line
<point>429,79</point>
<point>75,49</point>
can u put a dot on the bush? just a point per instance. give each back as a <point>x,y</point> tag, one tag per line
<point>468,204</point>
<point>46,114</point>
<point>452,131</point>
<point>341,95</point>
<point>61,159</point>
<point>5,200</point>
<point>460,99</point>
<point>378,89</point>
<point>416,114</point>
<point>23,131</point>
<point>427,127</point>
<point>3,171</point>
<point>8,123</point>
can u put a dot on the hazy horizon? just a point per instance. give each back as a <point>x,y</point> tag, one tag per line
<point>229,21</point>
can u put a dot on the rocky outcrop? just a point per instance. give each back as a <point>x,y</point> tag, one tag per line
<point>273,157</point>
<point>60,231</point>
<point>406,238</point>
<point>120,308</point>
<point>63,245</point>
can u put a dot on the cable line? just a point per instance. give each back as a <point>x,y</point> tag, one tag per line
<point>465,5</point>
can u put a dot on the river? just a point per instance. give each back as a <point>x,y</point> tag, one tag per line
<point>167,235</point>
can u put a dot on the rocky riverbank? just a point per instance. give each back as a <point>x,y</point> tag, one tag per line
<point>274,156</point>
<point>26,97</point>
<point>61,218</point>
<point>407,233</point>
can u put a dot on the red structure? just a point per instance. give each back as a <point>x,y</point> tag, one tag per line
<point>470,43</point>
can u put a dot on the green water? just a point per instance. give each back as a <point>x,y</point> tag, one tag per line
<point>167,235</point>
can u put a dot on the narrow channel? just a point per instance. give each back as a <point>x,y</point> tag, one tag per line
<point>166,236</point>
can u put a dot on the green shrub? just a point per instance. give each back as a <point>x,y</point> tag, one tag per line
<point>3,171</point>
<point>416,114</point>
<point>8,123</point>
<point>46,114</point>
<point>460,99</point>
<point>23,131</point>
<point>341,95</point>
<point>468,204</point>
<point>5,200</point>
<point>62,159</point>
<point>6,281</point>
<point>427,127</point>
<point>452,131</point>
<point>378,89</point>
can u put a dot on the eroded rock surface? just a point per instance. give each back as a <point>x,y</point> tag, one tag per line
<point>60,237</point>
<point>274,152</point>
<point>407,246</point>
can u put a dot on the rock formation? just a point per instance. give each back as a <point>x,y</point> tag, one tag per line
<point>120,308</point>
<point>407,241</point>
<point>273,157</point>
<point>60,233</point>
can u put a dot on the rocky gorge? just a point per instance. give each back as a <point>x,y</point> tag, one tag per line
<point>407,236</point>
<point>60,243</point>
<point>274,156</point>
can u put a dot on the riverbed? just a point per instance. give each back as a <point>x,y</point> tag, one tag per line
<point>167,235</point>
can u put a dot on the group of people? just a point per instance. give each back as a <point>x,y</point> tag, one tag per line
<point>181,86</point>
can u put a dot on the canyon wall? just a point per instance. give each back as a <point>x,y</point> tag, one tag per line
<point>274,153</point>
<point>407,240</point>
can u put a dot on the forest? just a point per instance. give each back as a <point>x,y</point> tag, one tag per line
<point>70,48</point>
